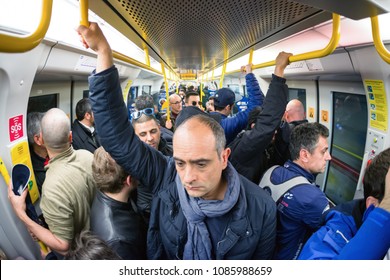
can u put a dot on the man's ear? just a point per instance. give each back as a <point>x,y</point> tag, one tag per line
<point>225,157</point>
<point>38,139</point>
<point>304,155</point>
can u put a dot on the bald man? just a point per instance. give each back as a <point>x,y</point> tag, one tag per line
<point>176,105</point>
<point>293,116</point>
<point>68,190</point>
<point>294,111</point>
<point>202,208</point>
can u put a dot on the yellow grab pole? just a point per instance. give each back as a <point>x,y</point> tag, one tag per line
<point>24,43</point>
<point>166,91</point>
<point>380,48</point>
<point>84,13</point>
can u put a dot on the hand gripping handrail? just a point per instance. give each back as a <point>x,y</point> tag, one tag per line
<point>334,40</point>
<point>380,48</point>
<point>24,43</point>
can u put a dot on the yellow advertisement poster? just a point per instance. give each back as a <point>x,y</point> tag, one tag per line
<point>20,154</point>
<point>324,116</point>
<point>377,104</point>
<point>311,112</point>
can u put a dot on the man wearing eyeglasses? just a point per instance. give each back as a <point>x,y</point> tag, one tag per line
<point>176,106</point>
<point>202,208</point>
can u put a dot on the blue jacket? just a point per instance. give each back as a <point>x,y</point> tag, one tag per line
<point>251,236</point>
<point>299,210</point>
<point>341,238</point>
<point>233,125</point>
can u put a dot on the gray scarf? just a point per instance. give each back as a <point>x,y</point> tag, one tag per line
<point>198,246</point>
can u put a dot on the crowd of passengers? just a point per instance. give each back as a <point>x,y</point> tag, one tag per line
<point>195,184</point>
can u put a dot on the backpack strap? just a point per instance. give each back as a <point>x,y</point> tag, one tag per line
<point>278,190</point>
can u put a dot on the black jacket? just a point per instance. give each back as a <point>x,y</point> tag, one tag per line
<point>82,138</point>
<point>248,149</point>
<point>120,226</point>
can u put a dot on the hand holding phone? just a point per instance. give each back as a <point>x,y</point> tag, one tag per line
<point>20,178</point>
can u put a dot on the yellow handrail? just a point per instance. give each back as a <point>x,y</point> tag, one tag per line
<point>380,48</point>
<point>84,13</point>
<point>334,40</point>
<point>132,61</point>
<point>166,91</point>
<point>24,43</point>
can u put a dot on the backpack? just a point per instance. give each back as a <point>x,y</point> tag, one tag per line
<point>277,191</point>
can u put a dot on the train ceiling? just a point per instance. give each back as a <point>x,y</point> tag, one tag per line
<point>197,35</point>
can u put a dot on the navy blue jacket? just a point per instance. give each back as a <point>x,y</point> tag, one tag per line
<point>233,125</point>
<point>251,236</point>
<point>299,210</point>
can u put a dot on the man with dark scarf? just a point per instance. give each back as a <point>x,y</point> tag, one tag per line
<point>202,208</point>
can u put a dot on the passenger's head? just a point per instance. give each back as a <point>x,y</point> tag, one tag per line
<point>192,99</point>
<point>109,176</point>
<point>56,133</point>
<point>87,246</point>
<point>224,100</point>
<point>210,104</point>
<point>34,127</point>
<point>147,129</point>
<point>375,178</point>
<point>175,103</point>
<point>309,147</point>
<point>144,101</point>
<point>294,111</point>
<point>200,156</point>
<point>182,93</point>
<point>84,112</point>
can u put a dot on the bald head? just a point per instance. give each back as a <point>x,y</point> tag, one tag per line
<point>294,111</point>
<point>56,130</point>
<point>189,131</point>
<point>174,98</point>
<point>175,103</point>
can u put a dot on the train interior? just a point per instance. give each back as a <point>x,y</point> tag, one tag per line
<point>199,42</point>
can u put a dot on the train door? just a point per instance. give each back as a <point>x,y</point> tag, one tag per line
<point>349,129</point>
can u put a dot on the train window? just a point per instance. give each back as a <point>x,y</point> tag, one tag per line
<point>297,93</point>
<point>146,90</point>
<point>347,148</point>
<point>42,103</point>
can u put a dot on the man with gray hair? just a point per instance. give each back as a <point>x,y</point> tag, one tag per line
<point>38,152</point>
<point>300,202</point>
<point>69,186</point>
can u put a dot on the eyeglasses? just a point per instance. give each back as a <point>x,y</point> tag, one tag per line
<point>137,114</point>
<point>194,103</point>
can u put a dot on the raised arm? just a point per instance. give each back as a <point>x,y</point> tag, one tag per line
<point>254,142</point>
<point>111,118</point>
